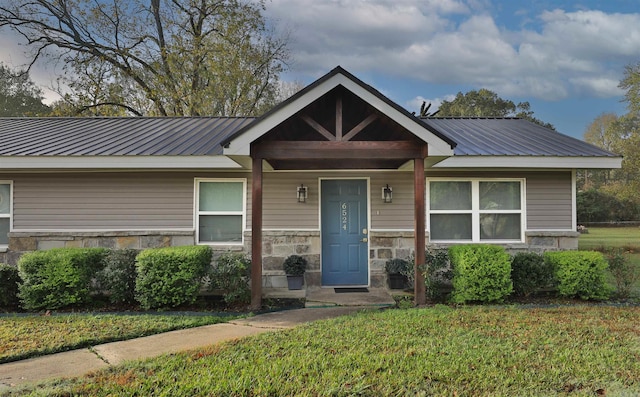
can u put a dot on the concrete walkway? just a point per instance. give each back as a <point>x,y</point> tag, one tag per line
<point>80,362</point>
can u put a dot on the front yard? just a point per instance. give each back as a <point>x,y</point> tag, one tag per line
<point>582,350</point>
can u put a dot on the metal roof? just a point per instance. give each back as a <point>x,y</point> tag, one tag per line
<point>510,137</point>
<point>117,136</point>
<point>202,136</point>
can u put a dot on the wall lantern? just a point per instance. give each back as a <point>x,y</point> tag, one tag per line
<point>387,194</point>
<point>302,193</point>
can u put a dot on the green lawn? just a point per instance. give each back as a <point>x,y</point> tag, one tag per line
<point>29,336</point>
<point>443,351</point>
<point>611,237</point>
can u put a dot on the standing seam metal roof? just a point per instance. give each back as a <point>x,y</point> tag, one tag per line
<point>204,136</point>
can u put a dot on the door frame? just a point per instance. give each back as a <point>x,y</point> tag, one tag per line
<point>368,200</point>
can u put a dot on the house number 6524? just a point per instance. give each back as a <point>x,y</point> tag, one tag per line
<point>344,216</point>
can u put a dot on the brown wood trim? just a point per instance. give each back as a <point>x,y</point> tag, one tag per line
<point>309,150</point>
<point>318,127</point>
<point>339,119</point>
<point>420,226</point>
<point>256,234</point>
<point>361,126</point>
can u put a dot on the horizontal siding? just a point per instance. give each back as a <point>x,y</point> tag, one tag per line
<point>549,199</point>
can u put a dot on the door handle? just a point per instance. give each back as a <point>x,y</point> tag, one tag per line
<point>364,240</point>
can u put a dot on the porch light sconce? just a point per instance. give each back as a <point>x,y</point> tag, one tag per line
<point>387,194</point>
<point>302,194</point>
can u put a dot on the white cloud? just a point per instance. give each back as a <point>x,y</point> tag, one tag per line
<point>559,54</point>
<point>414,104</point>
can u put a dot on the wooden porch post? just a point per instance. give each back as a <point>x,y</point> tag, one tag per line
<point>419,232</point>
<point>256,234</point>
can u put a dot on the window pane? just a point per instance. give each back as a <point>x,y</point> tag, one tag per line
<point>450,227</point>
<point>221,196</point>
<point>5,198</point>
<point>4,231</point>
<point>450,195</point>
<point>500,227</point>
<point>220,228</point>
<point>499,195</point>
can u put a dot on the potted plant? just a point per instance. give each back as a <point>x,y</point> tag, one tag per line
<point>295,266</point>
<point>397,269</point>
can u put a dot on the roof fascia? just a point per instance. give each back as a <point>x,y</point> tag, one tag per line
<point>240,144</point>
<point>583,162</point>
<point>116,162</point>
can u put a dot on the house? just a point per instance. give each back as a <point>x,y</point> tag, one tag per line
<point>337,173</point>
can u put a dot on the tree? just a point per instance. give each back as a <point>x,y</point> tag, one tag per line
<point>19,96</point>
<point>156,57</point>
<point>631,83</point>
<point>486,103</point>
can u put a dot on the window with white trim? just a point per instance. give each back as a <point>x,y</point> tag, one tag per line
<point>220,210</point>
<point>476,210</point>
<point>5,212</point>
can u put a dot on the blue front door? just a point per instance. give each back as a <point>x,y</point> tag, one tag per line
<point>344,232</point>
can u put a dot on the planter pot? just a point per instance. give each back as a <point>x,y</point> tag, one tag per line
<point>397,281</point>
<point>295,282</point>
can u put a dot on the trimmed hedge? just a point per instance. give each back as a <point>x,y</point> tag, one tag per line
<point>118,276</point>
<point>59,277</point>
<point>580,274</point>
<point>9,279</point>
<point>481,273</point>
<point>172,276</point>
<point>530,273</point>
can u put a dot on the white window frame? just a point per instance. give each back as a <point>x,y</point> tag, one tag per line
<point>475,209</point>
<point>9,216</point>
<point>198,213</point>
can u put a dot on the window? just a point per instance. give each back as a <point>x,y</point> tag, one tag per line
<point>220,210</point>
<point>476,210</point>
<point>5,212</point>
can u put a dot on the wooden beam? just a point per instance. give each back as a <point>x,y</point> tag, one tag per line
<point>361,126</point>
<point>310,150</point>
<point>318,127</point>
<point>419,230</point>
<point>339,119</point>
<point>256,234</point>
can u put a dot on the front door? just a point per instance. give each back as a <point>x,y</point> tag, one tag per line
<point>344,232</point>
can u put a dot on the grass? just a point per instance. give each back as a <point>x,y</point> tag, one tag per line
<point>467,351</point>
<point>29,336</point>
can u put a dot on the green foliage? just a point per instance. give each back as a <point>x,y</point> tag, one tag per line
<point>530,273</point>
<point>598,206</point>
<point>631,83</point>
<point>58,277</point>
<point>169,277</point>
<point>118,276</point>
<point>398,266</point>
<point>30,336</point>
<point>579,273</point>
<point>19,95</point>
<point>625,273</point>
<point>295,265</point>
<point>9,279</point>
<point>480,273</point>
<point>486,103</point>
<point>437,273</point>
<point>231,276</point>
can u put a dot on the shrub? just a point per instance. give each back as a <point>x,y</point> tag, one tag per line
<point>169,277</point>
<point>295,265</point>
<point>118,276</point>
<point>530,273</point>
<point>437,273</point>
<point>398,266</point>
<point>625,273</point>
<point>9,280</point>
<point>231,276</point>
<point>579,273</point>
<point>58,277</point>
<point>480,273</point>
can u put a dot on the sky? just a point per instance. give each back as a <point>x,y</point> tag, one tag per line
<point>566,58</point>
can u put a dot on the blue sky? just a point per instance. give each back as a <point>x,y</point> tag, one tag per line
<point>566,58</point>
